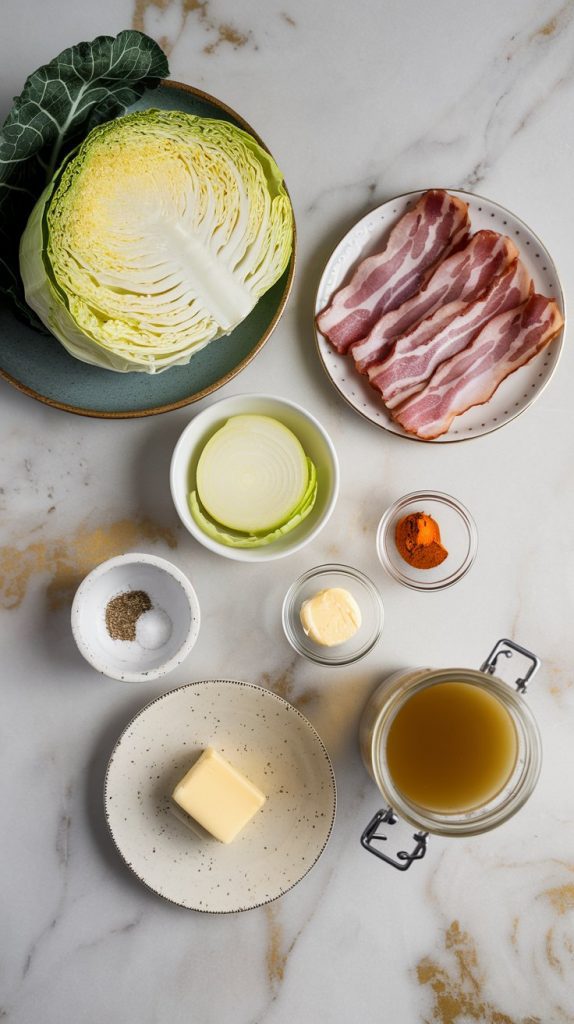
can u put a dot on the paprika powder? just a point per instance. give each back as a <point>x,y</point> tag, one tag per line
<point>417,537</point>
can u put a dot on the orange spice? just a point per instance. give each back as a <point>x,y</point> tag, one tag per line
<point>417,537</point>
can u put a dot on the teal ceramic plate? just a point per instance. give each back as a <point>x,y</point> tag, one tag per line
<point>40,367</point>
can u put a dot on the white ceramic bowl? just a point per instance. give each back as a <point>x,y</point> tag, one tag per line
<point>164,635</point>
<point>315,440</point>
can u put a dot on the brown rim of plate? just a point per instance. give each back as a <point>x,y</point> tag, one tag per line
<point>156,410</point>
<point>451,440</point>
<point>253,686</point>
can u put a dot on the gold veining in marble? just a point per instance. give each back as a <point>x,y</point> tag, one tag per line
<point>554,25</point>
<point>458,992</point>
<point>559,679</point>
<point>224,31</point>
<point>561,898</point>
<point>277,955</point>
<point>141,8</point>
<point>558,938</point>
<point>553,960</point>
<point>66,560</point>
<point>283,684</point>
<point>549,27</point>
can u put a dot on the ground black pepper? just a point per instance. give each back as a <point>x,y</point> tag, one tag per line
<point>123,611</point>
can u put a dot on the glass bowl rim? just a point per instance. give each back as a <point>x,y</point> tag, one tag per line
<point>443,498</point>
<point>344,570</point>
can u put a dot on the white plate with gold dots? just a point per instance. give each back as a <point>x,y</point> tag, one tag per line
<point>517,392</point>
<point>261,735</point>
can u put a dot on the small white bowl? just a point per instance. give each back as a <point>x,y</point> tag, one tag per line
<point>315,440</point>
<point>175,612</point>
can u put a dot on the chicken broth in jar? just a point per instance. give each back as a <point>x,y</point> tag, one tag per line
<point>451,747</point>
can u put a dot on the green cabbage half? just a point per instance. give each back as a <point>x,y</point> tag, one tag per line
<point>156,236</point>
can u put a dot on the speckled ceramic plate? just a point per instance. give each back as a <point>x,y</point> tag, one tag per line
<point>40,367</point>
<point>516,393</point>
<point>261,735</point>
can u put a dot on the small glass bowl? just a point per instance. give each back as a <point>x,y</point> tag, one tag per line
<point>458,534</point>
<point>367,597</point>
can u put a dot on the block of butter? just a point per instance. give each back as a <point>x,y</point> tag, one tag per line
<point>219,797</point>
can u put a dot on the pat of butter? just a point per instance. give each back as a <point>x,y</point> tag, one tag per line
<point>331,616</point>
<point>219,797</point>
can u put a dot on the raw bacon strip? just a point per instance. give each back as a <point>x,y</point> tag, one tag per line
<point>406,369</point>
<point>419,335</point>
<point>464,275</point>
<point>429,232</point>
<point>471,377</point>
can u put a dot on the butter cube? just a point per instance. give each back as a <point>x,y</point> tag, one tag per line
<point>219,797</point>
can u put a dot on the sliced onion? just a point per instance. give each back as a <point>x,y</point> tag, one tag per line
<point>252,475</point>
<point>253,540</point>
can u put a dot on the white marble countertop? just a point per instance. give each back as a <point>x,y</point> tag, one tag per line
<point>357,102</point>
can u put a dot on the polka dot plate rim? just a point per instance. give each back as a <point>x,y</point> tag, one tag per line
<point>261,734</point>
<point>517,393</point>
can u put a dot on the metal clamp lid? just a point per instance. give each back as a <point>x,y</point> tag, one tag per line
<point>506,649</point>
<point>371,837</point>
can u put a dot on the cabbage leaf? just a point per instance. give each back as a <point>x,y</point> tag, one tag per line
<point>60,103</point>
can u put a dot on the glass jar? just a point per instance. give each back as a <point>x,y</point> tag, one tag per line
<point>376,721</point>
